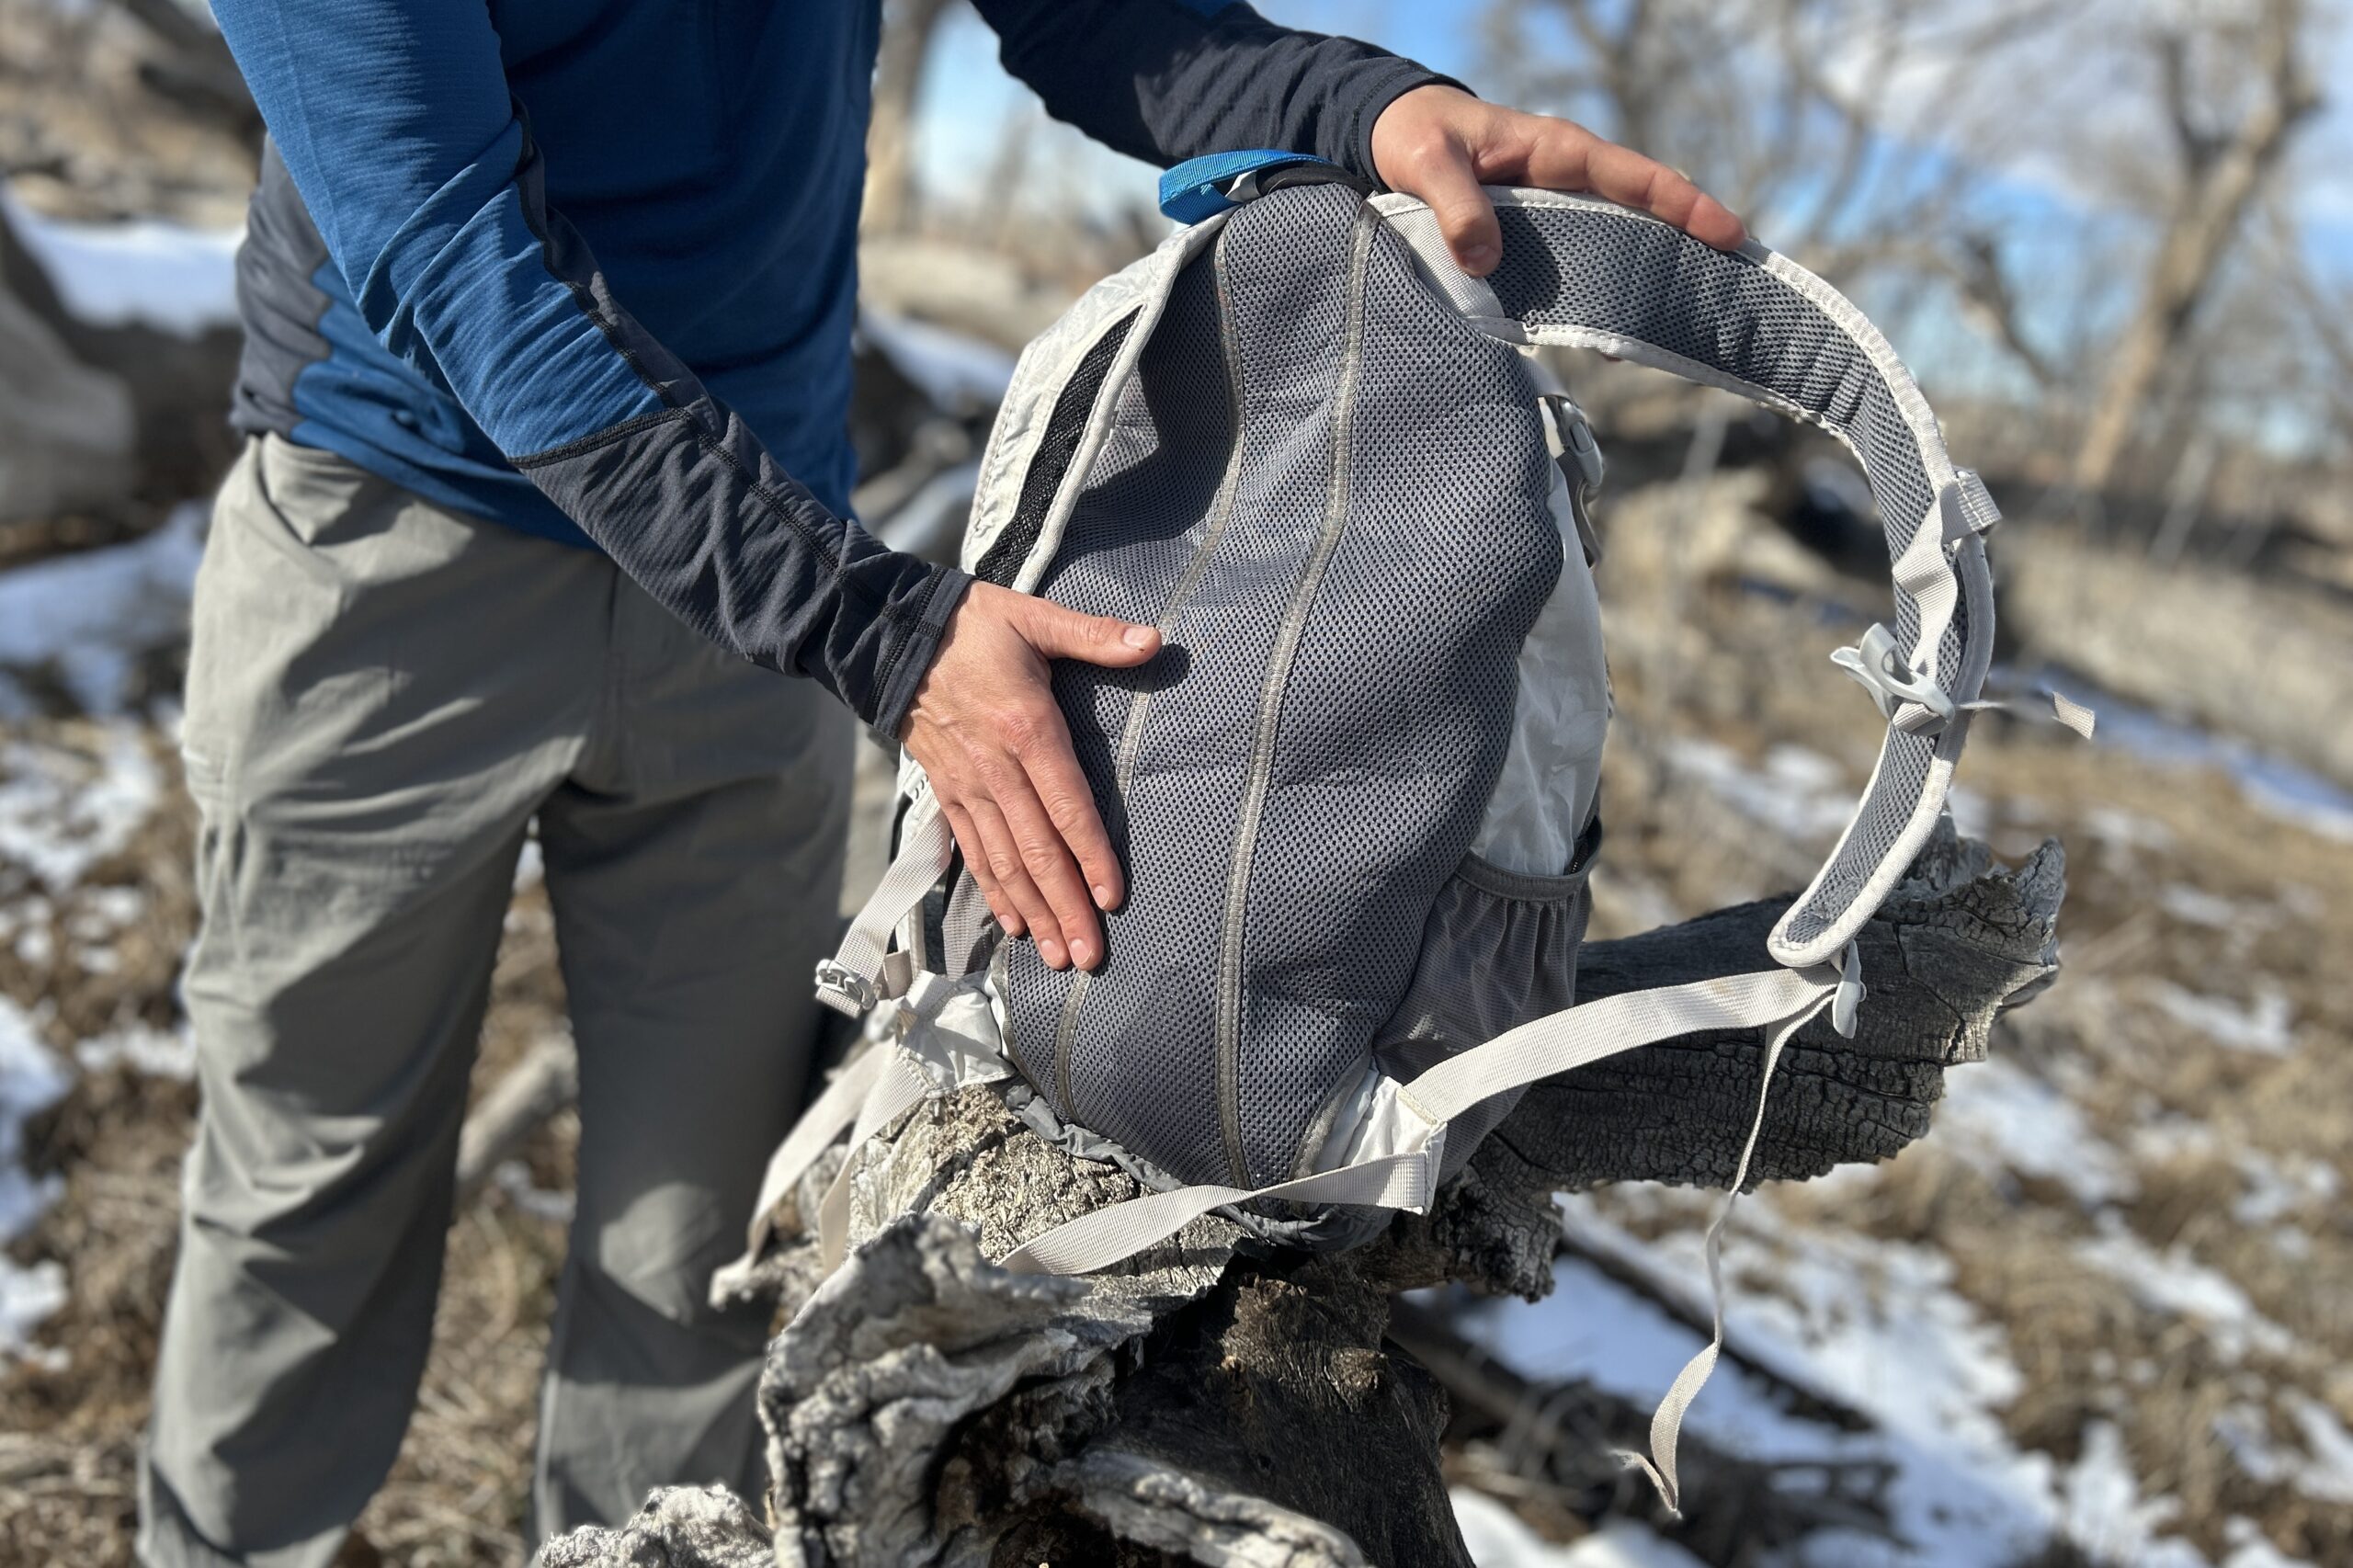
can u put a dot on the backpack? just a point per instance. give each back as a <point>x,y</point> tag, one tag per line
<point>1357,793</point>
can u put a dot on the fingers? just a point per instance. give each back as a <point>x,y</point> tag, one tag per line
<point>1003,849</point>
<point>1060,633</point>
<point>1069,805</point>
<point>1565,156</point>
<point>1449,186</point>
<point>976,860</point>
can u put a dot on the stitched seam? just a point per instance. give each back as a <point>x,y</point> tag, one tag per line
<point>1279,667</point>
<point>604,437</point>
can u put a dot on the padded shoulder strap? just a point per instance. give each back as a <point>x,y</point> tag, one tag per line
<point>1585,273</point>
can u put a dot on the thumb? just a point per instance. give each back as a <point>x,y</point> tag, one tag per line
<point>1060,633</point>
<point>1449,185</point>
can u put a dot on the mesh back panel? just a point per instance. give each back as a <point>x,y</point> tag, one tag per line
<point>1398,709</point>
<point>1644,280</point>
<point>1056,448</point>
<point>1132,535</point>
<point>1388,731</point>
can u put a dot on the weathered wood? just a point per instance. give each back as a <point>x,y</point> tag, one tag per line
<point>1205,1404</point>
<point>544,1082</point>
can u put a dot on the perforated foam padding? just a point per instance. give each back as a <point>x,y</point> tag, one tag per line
<point>1312,752</point>
<point>1615,272</point>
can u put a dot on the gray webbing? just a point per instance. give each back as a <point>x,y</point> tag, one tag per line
<point>896,1087</point>
<point>853,979</point>
<point>822,1123</point>
<point>1558,1043</point>
<point>1666,1421</point>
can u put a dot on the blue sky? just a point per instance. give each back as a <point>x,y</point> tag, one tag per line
<point>969,100</point>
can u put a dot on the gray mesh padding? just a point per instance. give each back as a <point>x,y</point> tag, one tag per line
<point>1622,273</point>
<point>1147,508</point>
<point>1388,717</point>
<point>1398,709</point>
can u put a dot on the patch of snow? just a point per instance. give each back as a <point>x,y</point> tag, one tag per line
<point>31,1080</point>
<point>1801,794</point>
<point>961,375</point>
<point>2126,830</point>
<point>163,275</point>
<point>2106,1514</point>
<point>2264,1027</point>
<point>91,613</point>
<point>2175,1283</point>
<point>143,1047</point>
<point>2281,1186</point>
<point>62,811</point>
<point>1996,1114</point>
<point>2196,906</point>
<point>2250,1549</point>
<point>2327,1477</point>
<point>1876,1327</point>
<point>1497,1539</point>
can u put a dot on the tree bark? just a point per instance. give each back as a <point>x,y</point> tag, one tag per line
<point>1212,1404</point>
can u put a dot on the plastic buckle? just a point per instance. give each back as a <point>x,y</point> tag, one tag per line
<point>1574,433</point>
<point>1874,661</point>
<point>1851,991</point>
<point>845,990</point>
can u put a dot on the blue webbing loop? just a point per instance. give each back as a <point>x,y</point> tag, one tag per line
<point>1197,189</point>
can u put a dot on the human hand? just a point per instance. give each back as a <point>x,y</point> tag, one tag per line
<point>991,741</point>
<point>1441,144</point>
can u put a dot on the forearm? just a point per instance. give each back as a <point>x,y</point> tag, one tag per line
<point>1169,80</point>
<point>394,121</point>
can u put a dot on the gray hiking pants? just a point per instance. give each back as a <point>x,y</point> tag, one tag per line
<point>382,695</point>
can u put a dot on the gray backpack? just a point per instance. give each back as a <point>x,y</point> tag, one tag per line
<point>1356,792</point>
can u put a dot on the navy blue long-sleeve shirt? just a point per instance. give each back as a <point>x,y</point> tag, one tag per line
<point>588,268</point>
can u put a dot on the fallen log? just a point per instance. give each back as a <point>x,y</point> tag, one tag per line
<point>1210,1404</point>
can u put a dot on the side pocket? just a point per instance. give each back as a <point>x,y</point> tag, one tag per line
<point>1499,949</point>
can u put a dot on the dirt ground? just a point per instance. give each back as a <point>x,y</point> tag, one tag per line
<point>2195,1046</point>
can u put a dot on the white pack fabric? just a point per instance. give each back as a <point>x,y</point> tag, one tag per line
<point>1355,795</point>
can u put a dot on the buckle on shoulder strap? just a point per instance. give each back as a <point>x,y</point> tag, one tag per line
<point>845,990</point>
<point>1875,663</point>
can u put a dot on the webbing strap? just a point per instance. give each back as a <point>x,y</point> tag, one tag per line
<point>822,1123</point>
<point>1105,1236</point>
<point>846,983</point>
<point>897,1086</point>
<point>1559,1042</point>
<point>1667,1422</point>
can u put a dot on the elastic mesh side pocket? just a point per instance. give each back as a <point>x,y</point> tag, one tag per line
<point>1056,448</point>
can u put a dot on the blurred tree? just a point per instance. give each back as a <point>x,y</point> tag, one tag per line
<point>2222,167</point>
<point>908,29</point>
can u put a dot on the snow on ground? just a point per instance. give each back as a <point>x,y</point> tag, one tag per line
<point>31,1080</point>
<point>166,276</point>
<point>90,614</point>
<point>1801,794</point>
<point>1498,1540</point>
<point>62,811</point>
<point>959,374</point>
<point>2003,1117</point>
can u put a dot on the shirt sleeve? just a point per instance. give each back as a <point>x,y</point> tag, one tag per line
<point>1169,80</point>
<point>394,119</point>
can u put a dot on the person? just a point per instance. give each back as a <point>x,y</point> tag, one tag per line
<point>548,310</point>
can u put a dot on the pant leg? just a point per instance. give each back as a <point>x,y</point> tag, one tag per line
<point>380,695</point>
<point>694,862</point>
